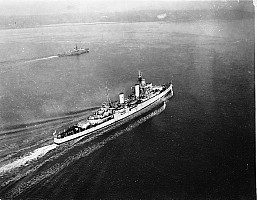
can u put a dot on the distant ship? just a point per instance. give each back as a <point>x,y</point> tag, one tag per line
<point>75,52</point>
<point>144,96</point>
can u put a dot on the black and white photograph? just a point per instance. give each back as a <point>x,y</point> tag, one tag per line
<point>127,99</point>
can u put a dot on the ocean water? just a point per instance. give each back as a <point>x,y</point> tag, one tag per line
<point>201,146</point>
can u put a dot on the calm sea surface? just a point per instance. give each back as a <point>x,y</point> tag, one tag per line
<point>202,146</point>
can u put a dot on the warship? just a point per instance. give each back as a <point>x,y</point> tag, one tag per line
<point>75,52</point>
<point>144,96</point>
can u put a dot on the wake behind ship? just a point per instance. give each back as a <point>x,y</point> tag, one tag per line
<point>112,114</point>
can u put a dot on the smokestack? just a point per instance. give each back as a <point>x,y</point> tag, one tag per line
<point>121,98</point>
<point>137,92</point>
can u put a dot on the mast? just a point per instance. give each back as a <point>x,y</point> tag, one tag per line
<point>107,94</point>
<point>139,76</point>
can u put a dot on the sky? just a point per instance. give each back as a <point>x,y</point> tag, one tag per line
<point>34,7</point>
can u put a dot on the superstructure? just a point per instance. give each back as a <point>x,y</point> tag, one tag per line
<point>75,52</point>
<point>144,96</point>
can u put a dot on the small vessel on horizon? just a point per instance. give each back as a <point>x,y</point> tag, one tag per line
<point>143,98</point>
<point>75,52</point>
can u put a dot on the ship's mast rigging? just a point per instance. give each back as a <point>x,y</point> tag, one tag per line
<point>107,94</point>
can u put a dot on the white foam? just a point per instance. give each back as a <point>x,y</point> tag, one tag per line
<point>24,160</point>
<point>18,189</point>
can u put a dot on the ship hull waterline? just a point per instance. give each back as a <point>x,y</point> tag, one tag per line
<point>74,53</point>
<point>139,110</point>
